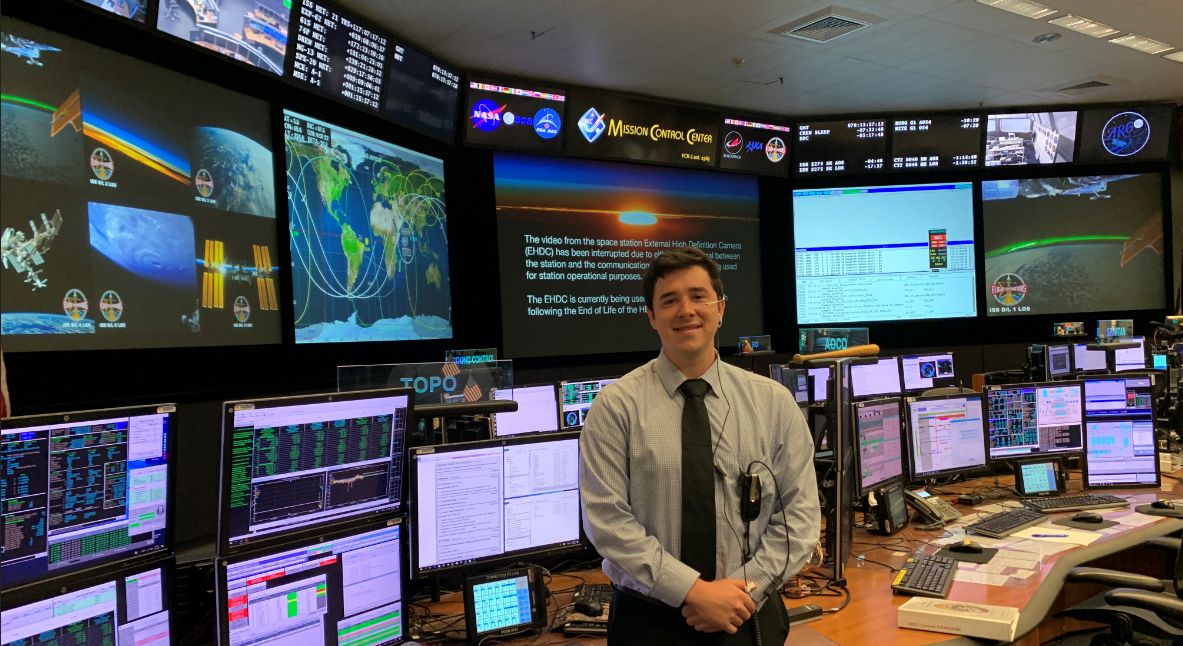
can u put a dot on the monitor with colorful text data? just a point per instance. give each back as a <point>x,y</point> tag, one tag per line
<point>946,435</point>
<point>880,442</point>
<point>1119,432</point>
<point>575,400</point>
<point>1028,420</point>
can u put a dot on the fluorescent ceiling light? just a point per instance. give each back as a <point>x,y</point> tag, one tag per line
<point>1141,44</point>
<point>1177,57</point>
<point>1084,26</point>
<point>1021,7</point>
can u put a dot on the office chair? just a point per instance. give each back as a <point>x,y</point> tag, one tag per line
<point>1138,604</point>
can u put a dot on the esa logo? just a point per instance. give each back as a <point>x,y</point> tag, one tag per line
<point>1125,134</point>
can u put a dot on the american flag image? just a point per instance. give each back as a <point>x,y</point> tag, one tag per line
<point>450,369</point>
<point>472,392</point>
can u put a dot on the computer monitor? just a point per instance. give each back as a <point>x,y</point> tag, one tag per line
<point>1131,358</point>
<point>85,490</point>
<point>1087,361</point>
<point>946,435</point>
<point>796,380</point>
<point>130,606</point>
<point>575,398</point>
<point>876,379</point>
<point>498,500</point>
<point>1159,361</point>
<point>821,378</point>
<point>880,442</point>
<point>1058,361</point>
<point>1040,477</point>
<point>294,464</point>
<point>1119,432</point>
<point>538,411</point>
<point>342,589</point>
<point>927,371</point>
<point>1027,420</point>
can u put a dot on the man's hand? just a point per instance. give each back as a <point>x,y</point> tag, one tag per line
<point>718,605</point>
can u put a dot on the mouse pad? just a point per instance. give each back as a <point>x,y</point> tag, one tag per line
<point>1151,511</point>
<point>1092,527</point>
<point>987,554</point>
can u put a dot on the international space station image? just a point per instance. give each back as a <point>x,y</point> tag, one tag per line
<point>24,48</point>
<point>23,253</point>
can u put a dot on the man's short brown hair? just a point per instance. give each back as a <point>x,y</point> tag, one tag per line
<point>674,260</point>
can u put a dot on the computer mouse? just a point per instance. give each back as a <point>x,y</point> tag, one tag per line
<point>966,547</point>
<point>589,608</point>
<point>1088,517</point>
<point>1163,504</point>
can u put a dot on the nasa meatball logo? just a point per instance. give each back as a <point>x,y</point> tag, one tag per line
<point>1125,134</point>
<point>1008,289</point>
<point>486,115</point>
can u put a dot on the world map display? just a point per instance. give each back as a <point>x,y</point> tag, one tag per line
<point>369,237</point>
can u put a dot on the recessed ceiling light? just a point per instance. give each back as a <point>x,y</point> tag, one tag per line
<point>1021,7</point>
<point>1134,41</point>
<point>1083,25</point>
<point>1177,57</point>
<point>1046,38</point>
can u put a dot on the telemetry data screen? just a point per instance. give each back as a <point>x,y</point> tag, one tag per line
<point>884,253</point>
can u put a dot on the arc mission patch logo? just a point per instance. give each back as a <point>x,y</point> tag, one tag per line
<point>591,125</point>
<point>1125,134</point>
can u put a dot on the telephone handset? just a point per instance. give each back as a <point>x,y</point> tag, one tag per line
<point>931,508</point>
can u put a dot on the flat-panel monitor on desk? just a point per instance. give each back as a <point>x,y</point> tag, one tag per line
<point>879,433</point>
<point>1087,361</point>
<point>875,379</point>
<point>538,411</point>
<point>575,398</point>
<point>493,501</point>
<point>1029,420</point>
<point>1058,360</point>
<point>1119,432</point>
<point>340,589</point>
<point>796,380</point>
<point>927,371</point>
<point>946,435</point>
<point>293,464</point>
<point>821,379</point>
<point>85,490</point>
<point>1130,358</point>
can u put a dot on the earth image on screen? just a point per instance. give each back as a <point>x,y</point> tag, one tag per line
<point>369,244</point>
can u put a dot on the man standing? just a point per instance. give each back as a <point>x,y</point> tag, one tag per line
<point>662,455</point>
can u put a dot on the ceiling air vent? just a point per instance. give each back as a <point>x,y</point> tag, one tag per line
<point>828,24</point>
<point>1084,86</point>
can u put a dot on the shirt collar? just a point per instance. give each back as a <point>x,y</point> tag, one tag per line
<point>671,377</point>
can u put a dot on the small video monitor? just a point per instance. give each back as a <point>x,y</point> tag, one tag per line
<point>85,490</point>
<point>946,435</point>
<point>504,603</point>
<point>575,398</point>
<point>1058,361</point>
<point>927,371</point>
<point>1087,361</point>
<point>876,379</point>
<point>1131,358</point>
<point>129,607</point>
<point>1031,419</point>
<point>1159,361</point>
<point>880,442</point>
<point>821,377</point>
<point>538,411</point>
<point>1119,432</point>
<point>496,500</point>
<point>341,589</point>
<point>796,380</point>
<point>293,464</point>
<point>1042,477</point>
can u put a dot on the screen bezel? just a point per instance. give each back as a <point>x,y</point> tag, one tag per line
<point>558,411</point>
<point>222,626</point>
<point>49,588</point>
<point>464,107</point>
<point>1061,476</point>
<point>1030,456</point>
<point>955,471</point>
<point>223,547</point>
<point>858,455</point>
<point>170,500</point>
<point>903,386</point>
<point>505,557</point>
<point>538,591</point>
<point>1084,467</point>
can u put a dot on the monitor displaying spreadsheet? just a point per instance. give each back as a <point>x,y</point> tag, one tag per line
<point>947,435</point>
<point>880,442</point>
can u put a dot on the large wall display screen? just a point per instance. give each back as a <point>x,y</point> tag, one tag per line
<point>603,125</point>
<point>574,237</point>
<point>338,55</point>
<point>516,116</point>
<point>904,252</point>
<point>421,93</point>
<point>369,237</point>
<point>840,147</point>
<point>1066,245</point>
<point>1125,134</point>
<point>934,143</point>
<point>755,147</point>
<point>1026,138</point>
<point>139,205</point>
<point>255,32</point>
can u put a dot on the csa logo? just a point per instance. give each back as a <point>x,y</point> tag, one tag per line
<point>591,124</point>
<point>486,115</point>
<point>547,123</point>
<point>1008,289</point>
<point>1125,134</point>
<point>733,143</point>
<point>775,149</point>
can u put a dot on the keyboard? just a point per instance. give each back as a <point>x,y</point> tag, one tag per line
<point>1074,503</point>
<point>582,624</point>
<point>1005,523</point>
<point>925,575</point>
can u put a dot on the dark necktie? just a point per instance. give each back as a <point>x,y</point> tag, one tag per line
<point>698,481</point>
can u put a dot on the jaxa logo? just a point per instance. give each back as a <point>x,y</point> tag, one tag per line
<point>591,124</point>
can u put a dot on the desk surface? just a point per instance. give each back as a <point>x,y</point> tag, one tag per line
<point>870,617</point>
